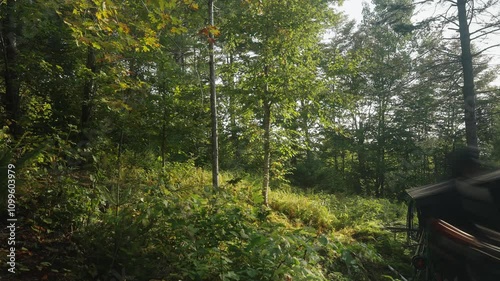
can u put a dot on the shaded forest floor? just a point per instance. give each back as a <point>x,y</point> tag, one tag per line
<point>169,224</point>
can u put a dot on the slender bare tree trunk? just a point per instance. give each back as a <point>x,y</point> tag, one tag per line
<point>267,140</point>
<point>232,115</point>
<point>267,151</point>
<point>361,165</point>
<point>381,164</point>
<point>213,101</point>
<point>468,89</point>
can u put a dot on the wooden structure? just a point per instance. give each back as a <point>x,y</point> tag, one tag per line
<point>458,230</point>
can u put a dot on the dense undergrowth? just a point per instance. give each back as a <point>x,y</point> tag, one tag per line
<point>127,222</point>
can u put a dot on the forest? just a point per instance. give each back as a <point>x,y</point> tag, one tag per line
<point>233,139</point>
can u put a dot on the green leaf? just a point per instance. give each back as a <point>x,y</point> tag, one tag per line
<point>96,45</point>
<point>231,276</point>
<point>323,240</point>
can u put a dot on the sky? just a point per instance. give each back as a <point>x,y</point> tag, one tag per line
<point>353,9</point>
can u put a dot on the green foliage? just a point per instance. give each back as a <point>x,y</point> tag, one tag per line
<point>312,212</point>
<point>190,233</point>
<point>119,91</point>
<point>357,113</point>
<point>20,156</point>
<point>313,173</point>
<point>168,223</point>
<point>361,212</point>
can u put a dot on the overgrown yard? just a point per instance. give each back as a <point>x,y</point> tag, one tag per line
<point>169,224</point>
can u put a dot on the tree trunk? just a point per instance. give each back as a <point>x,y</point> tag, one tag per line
<point>163,133</point>
<point>336,160</point>
<point>88,95</point>
<point>12,85</point>
<point>232,115</point>
<point>267,140</point>
<point>381,143</point>
<point>360,136</point>
<point>468,88</point>
<point>213,101</point>
<point>342,154</point>
<point>305,129</point>
<point>267,150</point>
<point>380,178</point>
<point>165,115</point>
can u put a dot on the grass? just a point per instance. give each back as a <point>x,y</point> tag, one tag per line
<point>169,224</point>
<point>303,210</point>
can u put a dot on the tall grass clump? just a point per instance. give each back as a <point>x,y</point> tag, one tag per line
<point>305,210</point>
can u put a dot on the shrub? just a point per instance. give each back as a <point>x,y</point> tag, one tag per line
<point>312,212</point>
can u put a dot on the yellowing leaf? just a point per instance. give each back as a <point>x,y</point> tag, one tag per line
<point>123,85</point>
<point>95,45</point>
<point>214,30</point>
<point>176,30</point>
<point>151,41</point>
<point>160,26</point>
<point>123,28</point>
